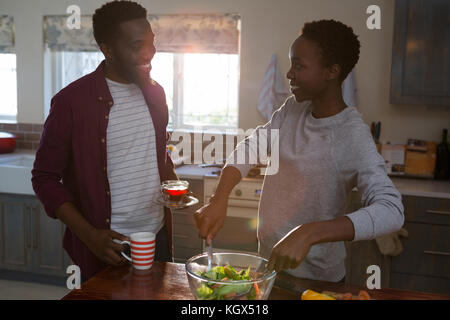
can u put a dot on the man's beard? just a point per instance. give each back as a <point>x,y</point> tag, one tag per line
<point>133,74</point>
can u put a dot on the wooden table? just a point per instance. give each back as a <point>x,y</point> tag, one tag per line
<point>168,281</point>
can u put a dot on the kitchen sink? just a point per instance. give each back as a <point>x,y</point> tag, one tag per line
<point>15,173</point>
<point>25,161</point>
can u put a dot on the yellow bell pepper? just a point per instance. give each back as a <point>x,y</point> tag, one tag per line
<point>312,295</point>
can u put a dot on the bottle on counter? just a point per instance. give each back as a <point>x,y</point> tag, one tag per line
<point>442,170</point>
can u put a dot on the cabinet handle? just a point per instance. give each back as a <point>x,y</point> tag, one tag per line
<point>438,212</point>
<point>437,253</point>
<point>180,236</point>
<point>28,226</point>
<point>35,228</point>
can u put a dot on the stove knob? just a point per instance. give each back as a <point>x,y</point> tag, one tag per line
<point>238,192</point>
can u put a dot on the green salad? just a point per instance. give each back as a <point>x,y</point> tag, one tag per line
<point>216,291</point>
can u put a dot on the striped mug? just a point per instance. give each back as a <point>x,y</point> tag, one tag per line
<point>142,245</point>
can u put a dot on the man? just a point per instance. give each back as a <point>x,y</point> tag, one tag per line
<point>106,138</point>
<point>325,151</point>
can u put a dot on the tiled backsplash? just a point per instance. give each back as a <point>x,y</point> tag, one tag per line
<point>28,134</point>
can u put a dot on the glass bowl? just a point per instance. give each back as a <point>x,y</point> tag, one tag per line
<point>257,288</point>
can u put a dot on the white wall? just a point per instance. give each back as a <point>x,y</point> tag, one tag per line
<point>268,26</point>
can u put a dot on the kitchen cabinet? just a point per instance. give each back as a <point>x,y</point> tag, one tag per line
<point>186,241</point>
<point>420,71</point>
<point>15,233</point>
<point>30,240</point>
<point>424,262</point>
<point>48,254</point>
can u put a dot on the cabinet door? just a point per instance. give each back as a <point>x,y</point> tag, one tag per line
<point>361,255</point>
<point>15,233</point>
<point>426,251</point>
<point>185,236</point>
<point>420,71</point>
<point>48,253</point>
<point>420,283</point>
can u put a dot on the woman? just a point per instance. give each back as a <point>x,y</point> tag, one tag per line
<point>325,150</point>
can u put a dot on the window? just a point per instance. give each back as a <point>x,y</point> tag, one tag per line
<point>63,67</point>
<point>201,88</point>
<point>8,87</point>
<point>197,63</point>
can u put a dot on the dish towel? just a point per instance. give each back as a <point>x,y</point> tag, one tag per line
<point>274,90</point>
<point>349,91</point>
<point>390,245</point>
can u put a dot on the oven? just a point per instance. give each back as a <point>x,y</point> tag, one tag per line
<point>239,232</point>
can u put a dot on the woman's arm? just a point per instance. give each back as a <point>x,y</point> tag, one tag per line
<point>382,213</point>
<point>382,209</point>
<point>290,251</point>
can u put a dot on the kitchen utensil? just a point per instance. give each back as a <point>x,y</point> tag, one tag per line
<point>377,131</point>
<point>372,129</point>
<point>209,251</point>
<point>7,142</point>
<point>284,281</point>
<point>258,287</point>
<point>442,170</point>
<point>142,247</point>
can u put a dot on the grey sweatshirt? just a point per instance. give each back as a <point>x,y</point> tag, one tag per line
<point>320,162</point>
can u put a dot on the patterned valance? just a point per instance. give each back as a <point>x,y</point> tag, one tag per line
<point>6,34</point>
<point>178,33</point>
<point>196,33</point>
<point>59,37</point>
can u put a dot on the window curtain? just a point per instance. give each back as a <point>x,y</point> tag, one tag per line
<point>176,33</point>
<point>59,37</point>
<point>6,34</point>
<point>196,33</point>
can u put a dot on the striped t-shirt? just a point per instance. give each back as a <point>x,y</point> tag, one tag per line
<point>132,164</point>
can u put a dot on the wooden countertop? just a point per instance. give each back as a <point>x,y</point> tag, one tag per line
<point>168,281</point>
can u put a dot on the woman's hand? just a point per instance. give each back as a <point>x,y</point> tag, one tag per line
<point>211,217</point>
<point>290,251</point>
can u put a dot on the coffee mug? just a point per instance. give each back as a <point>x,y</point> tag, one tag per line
<point>142,245</point>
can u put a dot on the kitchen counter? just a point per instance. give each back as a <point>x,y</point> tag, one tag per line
<point>422,187</point>
<point>193,171</point>
<point>21,183</point>
<point>17,152</point>
<point>15,172</point>
<point>168,281</point>
<point>406,186</point>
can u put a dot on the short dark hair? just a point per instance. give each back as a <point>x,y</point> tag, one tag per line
<point>337,42</point>
<point>108,17</point>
